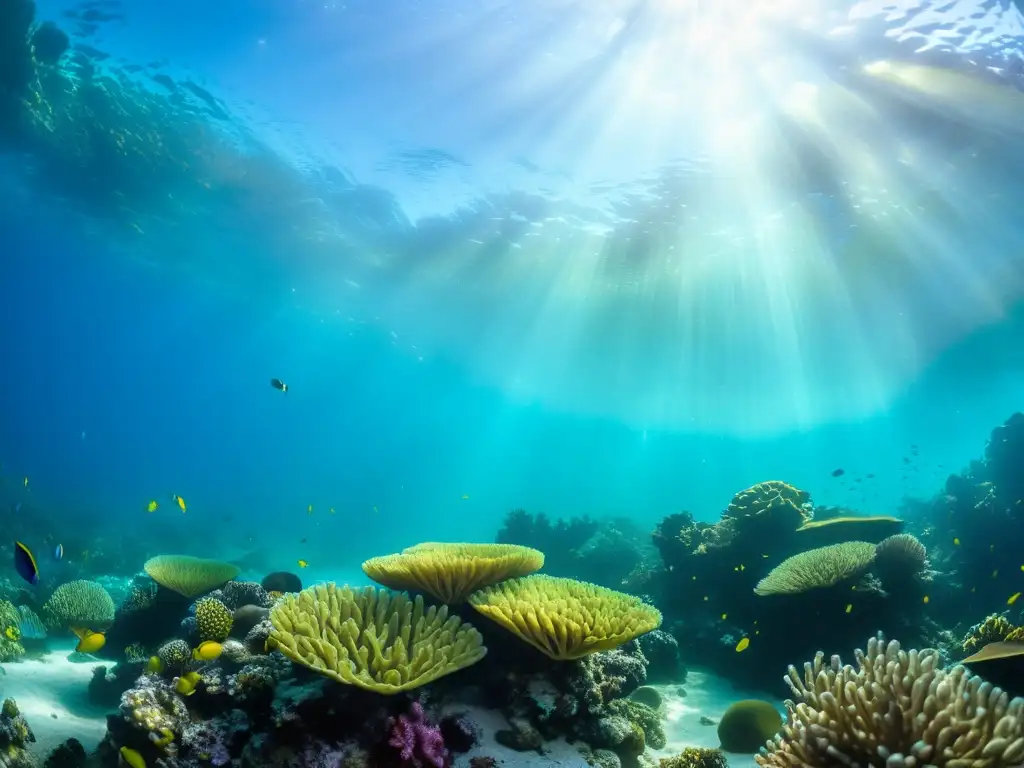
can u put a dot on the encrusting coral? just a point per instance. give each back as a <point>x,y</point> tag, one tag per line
<point>817,568</point>
<point>187,575</point>
<point>896,709</point>
<point>451,572</point>
<point>79,604</point>
<point>565,618</point>
<point>372,638</point>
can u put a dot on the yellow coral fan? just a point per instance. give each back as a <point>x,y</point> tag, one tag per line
<point>565,618</point>
<point>898,709</point>
<point>375,639</point>
<point>772,496</point>
<point>213,619</point>
<point>816,568</point>
<point>189,576</point>
<point>452,572</point>
<point>79,604</point>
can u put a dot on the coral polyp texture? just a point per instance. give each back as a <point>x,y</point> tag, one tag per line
<point>79,604</point>
<point>372,638</point>
<point>564,618</point>
<point>817,568</point>
<point>189,576</point>
<point>771,496</point>
<point>896,708</point>
<point>452,572</point>
<point>213,619</point>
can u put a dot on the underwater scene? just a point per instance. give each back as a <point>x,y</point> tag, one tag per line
<point>422,384</point>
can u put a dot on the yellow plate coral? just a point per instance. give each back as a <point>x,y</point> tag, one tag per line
<point>187,575</point>
<point>378,640</point>
<point>565,618</point>
<point>452,572</point>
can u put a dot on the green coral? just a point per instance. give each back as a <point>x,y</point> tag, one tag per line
<point>817,568</point>
<point>79,604</point>
<point>695,757</point>
<point>747,725</point>
<point>10,647</point>
<point>10,708</point>
<point>213,619</point>
<point>643,717</point>
<point>176,653</point>
<point>647,694</point>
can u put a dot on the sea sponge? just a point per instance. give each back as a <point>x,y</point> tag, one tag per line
<point>695,757</point>
<point>564,618</point>
<point>187,575</point>
<point>771,496</point>
<point>896,709</point>
<point>817,568</point>
<point>213,619</point>
<point>451,572</point>
<point>901,555</point>
<point>747,725</point>
<point>372,638</point>
<point>175,653</point>
<point>80,605</point>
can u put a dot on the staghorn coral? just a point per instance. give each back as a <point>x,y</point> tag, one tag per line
<point>896,708</point>
<point>187,575</point>
<point>565,618</point>
<point>377,640</point>
<point>213,619</point>
<point>451,572</point>
<point>79,605</point>
<point>817,568</point>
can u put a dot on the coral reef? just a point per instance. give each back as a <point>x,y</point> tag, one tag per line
<point>79,604</point>
<point>818,568</point>
<point>695,757</point>
<point>189,576</point>
<point>416,742</point>
<point>747,725</point>
<point>213,619</point>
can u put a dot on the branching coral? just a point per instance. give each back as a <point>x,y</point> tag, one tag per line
<point>565,618</point>
<point>417,743</point>
<point>451,572</point>
<point>897,709</point>
<point>378,640</point>
<point>817,568</point>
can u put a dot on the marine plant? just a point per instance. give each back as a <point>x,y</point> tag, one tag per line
<point>817,568</point>
<point>189,576</point>
<point>896,708</point>
<point>564,618</point>
<point>79,604</point>
<point>375,639</point>
<point>451,572</point>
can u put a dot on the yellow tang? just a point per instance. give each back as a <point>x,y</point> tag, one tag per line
<point>303,564</point>
<point>1013,598</point>
<point>849,607</point>
<point>132,758</point>
<point>153,506</point>
<point>742,644</point>
<point>208,650</point>
<point>309,510</point>
<point>926,598</point>
<point>89,641</point>
<point>186,684</point>
<point>154,666</point>
<point>956,542</point>
<point>180,501</point>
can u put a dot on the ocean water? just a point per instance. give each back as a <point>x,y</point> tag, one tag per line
<point>613,259</point>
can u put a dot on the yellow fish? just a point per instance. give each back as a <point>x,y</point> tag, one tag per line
<point>132,758</point>
<point>180,502</point>
<point>12,633</point>
<point>309,510</point>
<point>332,510</point>
<point>725,616</point>
<point>1013,598</point>
<point>956,542</point>
<point>742,644</point>
<point>186,684</point>
<point>26,481</point>
<point>89,641</point>
<point>154,666</point>
<point>303,564</point>
<point>208,650</point>
<point>849,607</point>
<point>153,506</point>
<point>926,599</point>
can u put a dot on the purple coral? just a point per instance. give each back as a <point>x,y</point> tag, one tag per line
<point>419,744</point>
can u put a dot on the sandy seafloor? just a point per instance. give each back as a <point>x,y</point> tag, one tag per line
<point>52,693</point>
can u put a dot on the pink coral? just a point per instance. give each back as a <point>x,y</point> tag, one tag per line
<point>419,744</point>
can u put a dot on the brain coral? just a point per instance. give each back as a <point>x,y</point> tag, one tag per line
<point>817,568</point>
<point>375,639</point>
<point>451,572</point>
<point>896,709</point>
<point>80,605</point>
<point>565,618</point>
<point>213,619</point>
<point>747,725</point>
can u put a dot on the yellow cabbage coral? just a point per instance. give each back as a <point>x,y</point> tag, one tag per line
<point>817,568</point>
<point>565,618</point>
<point>452,572</point>
<point>187,575</point>
<point>378,640</point>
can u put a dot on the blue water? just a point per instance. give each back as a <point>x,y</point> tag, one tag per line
<point>439,377</point>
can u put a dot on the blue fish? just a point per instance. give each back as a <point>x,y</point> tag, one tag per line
<point>25,563</point>
<point>58,553</point>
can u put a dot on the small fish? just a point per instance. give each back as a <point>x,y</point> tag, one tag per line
<point>725,616</point>
<point>154,666</point>
<point>926,599</point>
<point>465,497</point>
<point>25,483</point>
<point>332,510</point>
<point>956,542</point>
<point>309,510</point>
<point>375,509</point>
<point>303,564</point>
<point>849,607</point>
<point>742,645</point>
<point>58,552</point>
<point>89,641</point>
<point>279,385</point>
<point>180,502</point>
<point>132,758</point>
<point>186,684</point>
<point>304,539</point>
<point>1013,598</point>
<point>208,650</point>
<point>12,633</point>
<point>995,573</point>
<point>838,472</point>
<point>25,563</point>
<point>153,506</point>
